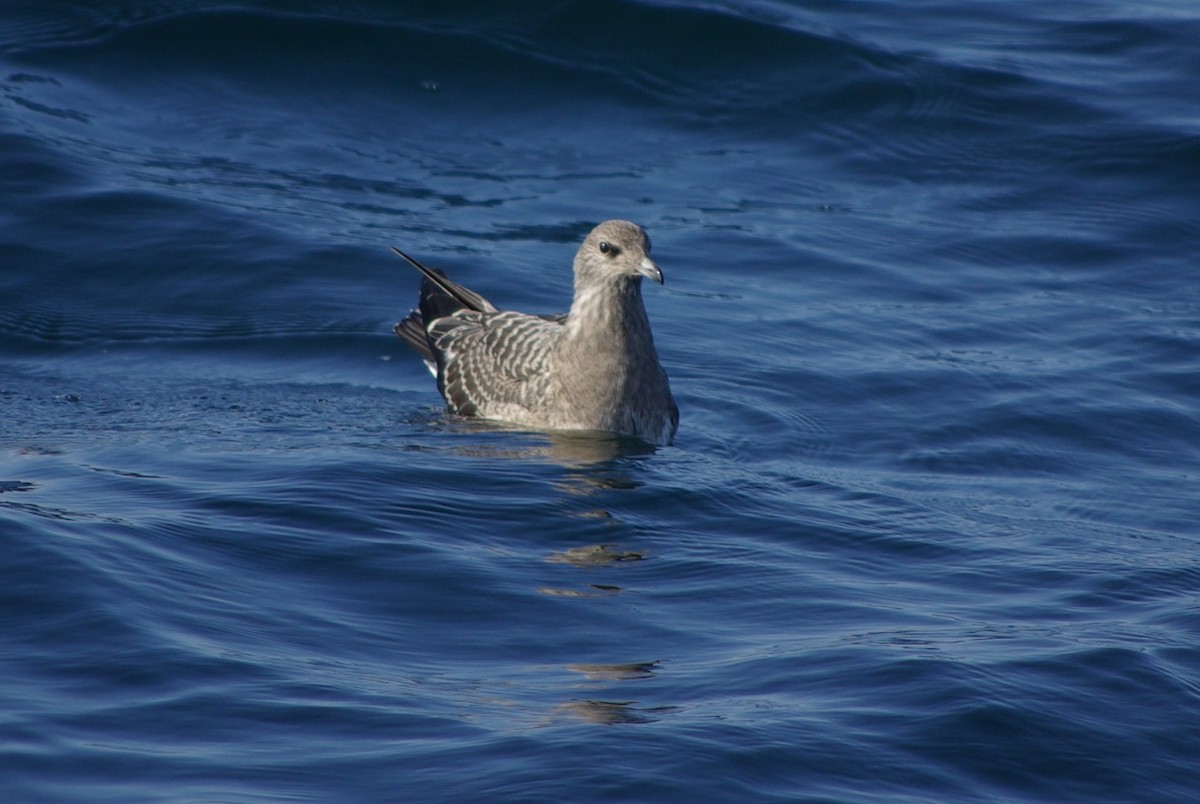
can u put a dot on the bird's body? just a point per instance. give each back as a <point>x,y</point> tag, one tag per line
<point>593,368</point>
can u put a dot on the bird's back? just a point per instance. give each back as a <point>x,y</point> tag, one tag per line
<point>488,362</point>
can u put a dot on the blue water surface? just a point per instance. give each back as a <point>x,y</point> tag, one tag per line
<point>928,531</point>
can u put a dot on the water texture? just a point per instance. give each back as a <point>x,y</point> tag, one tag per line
<point>928,531</point>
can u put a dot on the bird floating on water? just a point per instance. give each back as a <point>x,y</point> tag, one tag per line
<point>592,368</point>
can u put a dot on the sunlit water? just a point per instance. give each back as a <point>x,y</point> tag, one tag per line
<point>928,530</point>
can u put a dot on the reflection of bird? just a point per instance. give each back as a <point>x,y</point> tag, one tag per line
<point>614,712</point>
<point>593,368</point>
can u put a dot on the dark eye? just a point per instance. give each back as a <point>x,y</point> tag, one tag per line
<point>607,247</point>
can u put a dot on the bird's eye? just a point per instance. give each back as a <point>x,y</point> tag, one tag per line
<point>607,247</point>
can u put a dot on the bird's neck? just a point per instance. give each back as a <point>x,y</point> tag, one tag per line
<point>608,315</point>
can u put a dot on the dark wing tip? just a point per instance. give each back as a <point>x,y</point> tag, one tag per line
<point>460,295</point>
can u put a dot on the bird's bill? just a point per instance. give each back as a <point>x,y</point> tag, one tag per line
<point>650,270</point>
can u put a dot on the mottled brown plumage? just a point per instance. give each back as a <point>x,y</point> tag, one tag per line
<point>593,368</point>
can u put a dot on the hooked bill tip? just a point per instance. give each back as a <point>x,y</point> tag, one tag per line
<point>649,269</point>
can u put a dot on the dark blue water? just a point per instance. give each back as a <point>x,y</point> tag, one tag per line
<point>929,528</point>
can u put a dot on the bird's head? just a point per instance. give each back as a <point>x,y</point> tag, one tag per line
<point>613,251</point>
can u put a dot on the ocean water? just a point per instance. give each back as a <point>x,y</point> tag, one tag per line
<point>928,531</point>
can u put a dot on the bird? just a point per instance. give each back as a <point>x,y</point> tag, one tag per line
<point>594,367</point>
